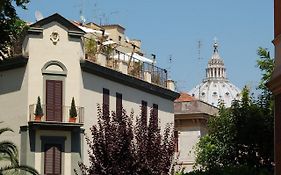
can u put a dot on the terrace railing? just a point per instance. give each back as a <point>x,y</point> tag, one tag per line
<point>61,117</point>
<point>128,64</point>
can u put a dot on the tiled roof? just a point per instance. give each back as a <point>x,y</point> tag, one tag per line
<point>184,97</point>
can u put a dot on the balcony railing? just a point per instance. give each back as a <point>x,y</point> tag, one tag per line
<point>60,118</point>
<point>128,64</point>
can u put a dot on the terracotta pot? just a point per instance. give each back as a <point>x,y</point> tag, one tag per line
<point>72,119</point>
<point>38,118</point>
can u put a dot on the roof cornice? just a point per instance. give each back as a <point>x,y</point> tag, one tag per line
<point>119,77</point>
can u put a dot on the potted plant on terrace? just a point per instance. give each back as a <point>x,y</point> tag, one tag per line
<point>38,110</point>
<point>72,112</point>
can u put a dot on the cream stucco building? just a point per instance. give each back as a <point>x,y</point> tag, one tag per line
<point>53,66</point>
<point>191,116</point>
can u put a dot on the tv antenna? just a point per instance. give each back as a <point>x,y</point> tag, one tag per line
<point>170,60</point>
<point>38,15</point>
<point>199,49</point>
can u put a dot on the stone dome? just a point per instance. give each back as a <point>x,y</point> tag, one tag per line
<point>216,88</point>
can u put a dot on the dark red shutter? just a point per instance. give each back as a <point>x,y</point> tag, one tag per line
<point>144,112</point>
<point>52,164</point>
<point>48,160</point>
<point>118,104</point>
<point>155,111</point>
<point>176,140</point>
<point>105,101</point>
<point>53,100</point>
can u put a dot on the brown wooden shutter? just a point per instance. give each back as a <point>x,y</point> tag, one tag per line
<point>52,164</point>
<point>155,111</point>
<point>58,100</point>
<point>57,160</point>
<point>144,112</point>
<point>118,104</point>
<point>176,140</point>
<point>53,100</point>
<point>105,101</point>
<point>48,164</point>
<point>50,100</point>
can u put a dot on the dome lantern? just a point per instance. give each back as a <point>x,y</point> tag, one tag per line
<point>215,87</point>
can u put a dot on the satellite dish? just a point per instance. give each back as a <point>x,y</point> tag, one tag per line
<point>83,19</point>
<point>127,39</point>
<point>38,15</point>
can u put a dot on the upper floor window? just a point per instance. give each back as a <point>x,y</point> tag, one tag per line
<point>155,111</point>
<point>118,104</point>
<point>144,111</point>
<point>105,105</point>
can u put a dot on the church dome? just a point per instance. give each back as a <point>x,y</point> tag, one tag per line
<point>216,88</point>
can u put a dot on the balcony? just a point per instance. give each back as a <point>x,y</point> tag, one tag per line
<point>61,117</point>
<point>130,64</point>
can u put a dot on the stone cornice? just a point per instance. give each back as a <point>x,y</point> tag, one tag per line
<point>277,40</point>
<point>274,83</point>
<point>12,63</point>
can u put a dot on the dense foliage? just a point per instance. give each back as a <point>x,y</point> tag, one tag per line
<point>240,138</point>
<point>118,146</point>
<point>9,157</point>
<point>11,27</point>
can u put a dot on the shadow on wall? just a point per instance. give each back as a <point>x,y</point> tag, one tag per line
<point>11,80</point>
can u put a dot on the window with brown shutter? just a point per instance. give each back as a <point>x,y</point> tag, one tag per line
<point>155,111</point>
<point>52,159</point>
<point>144,112</point>
<point>53,100</point>
<point>118,104</point>
<point>105,101</point>
<point>176,141</point>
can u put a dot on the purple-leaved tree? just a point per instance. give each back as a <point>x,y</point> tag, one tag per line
<point>120,146</point>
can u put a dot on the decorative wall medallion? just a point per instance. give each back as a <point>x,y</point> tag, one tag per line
<point>54,37</point>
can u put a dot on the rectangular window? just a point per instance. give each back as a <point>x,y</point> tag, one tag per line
<point>54,100</point>
<point>144,112</point>
<point>105,106</point>
<point>155,111</point>
<point>118,104</point>
<point>176,141</point>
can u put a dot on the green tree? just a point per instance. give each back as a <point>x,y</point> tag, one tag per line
<point>241,137</point>
<point>117,146</point>
<point>11,26</point>
<point>9,158</point>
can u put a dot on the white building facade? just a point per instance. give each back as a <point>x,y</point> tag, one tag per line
<point>53,66</point>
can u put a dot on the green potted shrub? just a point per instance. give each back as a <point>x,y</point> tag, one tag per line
<point>38,110</point>
<point>72,112</point>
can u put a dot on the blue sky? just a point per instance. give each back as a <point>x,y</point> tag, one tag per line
<point>173,28</point>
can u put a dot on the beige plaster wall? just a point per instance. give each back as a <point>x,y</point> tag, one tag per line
<point>13,102</point>
<point>189,134</point>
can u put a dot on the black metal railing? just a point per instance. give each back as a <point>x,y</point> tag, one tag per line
<point>134,67</point>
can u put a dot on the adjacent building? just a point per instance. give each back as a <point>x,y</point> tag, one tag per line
<point>55,66</point>
<point>191,116</point>
<point>216,88</point>
<point>275,86</point>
